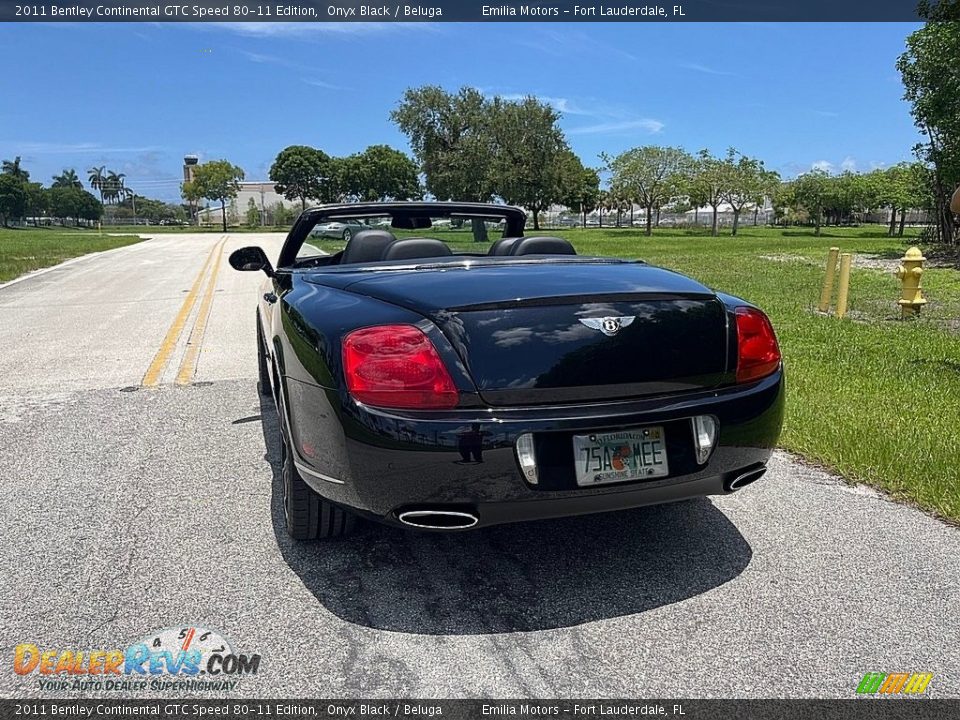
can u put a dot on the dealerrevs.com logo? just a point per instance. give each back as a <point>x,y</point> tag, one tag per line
<point>894,683</point>
<point>176,658</point>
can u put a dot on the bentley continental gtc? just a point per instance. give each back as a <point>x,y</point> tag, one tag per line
<point>425,385</point>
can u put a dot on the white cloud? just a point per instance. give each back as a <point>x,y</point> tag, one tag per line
<point>648,125</point>
<point>706,70</point>
<point>824,165</point>
<point>48,148</point>
<point>848,164</point>
<point>321,84</point>
<point>311,79</point>
<point>826,113</point>
<point>608,119</point>
<point>560,104</point>
<point>299,30</point>
<point>566,42</point>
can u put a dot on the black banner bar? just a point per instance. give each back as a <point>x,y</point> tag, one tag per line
<point>898,708</point>
<point>462,11</point>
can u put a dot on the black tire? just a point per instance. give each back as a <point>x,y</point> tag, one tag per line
<point>307,515</point>
<point>263,368</point>
<point>347,234</point>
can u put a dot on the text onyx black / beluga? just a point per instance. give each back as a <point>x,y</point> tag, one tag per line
<point>443,390</point>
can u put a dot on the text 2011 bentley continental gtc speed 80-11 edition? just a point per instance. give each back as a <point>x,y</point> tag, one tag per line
<point>439,389</point>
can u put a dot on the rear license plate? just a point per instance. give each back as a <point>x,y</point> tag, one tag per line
<point>620,456</point>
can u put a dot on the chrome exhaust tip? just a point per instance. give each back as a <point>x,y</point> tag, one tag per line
<point>744,479</point>
<point>438,519</point>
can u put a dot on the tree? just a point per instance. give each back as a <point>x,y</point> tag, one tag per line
<point>747,183</point>
<point>451,138</point>
<point>583,194</point>
<point>191,193</point>
<point>709,184</point>
<point>651,175</point>
<point>112,187</point>
<point>811,190</point>
<point>67,202</point>
<point>12,168</point>
<point>282,216</point>
<point>253,213</point>
<point>217,180</point>
<point>87,205</point>
<point>908,187</point>
<point>12,196</point>
<point>933,88</point>
<point>531,164</point>
<point>785,203</point>
<point>35,200</point>
<point>155,211</point>
<point>96,176</point>
<point>303,173</point>
<point>379,173</point>
<point>68,178</point>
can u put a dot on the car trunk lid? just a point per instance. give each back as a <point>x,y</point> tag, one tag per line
<point>562,332</point>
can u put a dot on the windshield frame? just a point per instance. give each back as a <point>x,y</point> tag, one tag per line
<point>514,218</point>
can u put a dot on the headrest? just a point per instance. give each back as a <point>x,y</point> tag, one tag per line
<point>542,246</point>
<point>366,246</point>
<point>502,246</point>
<point>407,248</point>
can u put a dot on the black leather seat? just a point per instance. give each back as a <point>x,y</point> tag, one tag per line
<point>542,246</point>
<point>411,248</point>
<point>502,246</point>
<point>366,246</point>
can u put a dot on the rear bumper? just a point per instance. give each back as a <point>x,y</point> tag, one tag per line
<point>387,463</point>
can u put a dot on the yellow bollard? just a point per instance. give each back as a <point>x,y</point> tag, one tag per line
<point>844,287</point>
<point>828,280</point>
<point>909,272</point>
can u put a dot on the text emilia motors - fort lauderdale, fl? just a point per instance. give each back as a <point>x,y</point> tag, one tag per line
<point>201,12</point>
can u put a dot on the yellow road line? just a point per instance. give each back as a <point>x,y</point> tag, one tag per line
<point>152,377</point>
<point>188,367</point>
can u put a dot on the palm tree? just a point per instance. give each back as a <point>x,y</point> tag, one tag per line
<point>68,178</point>
<point>13,168</point>
<point>126,193</point>
<point>96,177</point>
<point>112,186</point>
<point>603,203</point>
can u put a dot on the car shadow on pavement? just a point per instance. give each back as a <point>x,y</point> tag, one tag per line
<point>522,577</point>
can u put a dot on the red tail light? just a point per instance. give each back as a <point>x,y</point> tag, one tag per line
<point>758,353</point>
<point>396,366</point>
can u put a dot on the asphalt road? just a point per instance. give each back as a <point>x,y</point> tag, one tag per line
<point>130,506</point>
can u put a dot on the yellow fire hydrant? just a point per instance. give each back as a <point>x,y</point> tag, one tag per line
<point>909,272</point>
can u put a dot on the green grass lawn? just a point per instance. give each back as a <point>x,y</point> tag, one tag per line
<point>27,249</point>
<point>872,397</point>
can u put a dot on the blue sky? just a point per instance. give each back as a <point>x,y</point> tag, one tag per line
<point>137,97</point>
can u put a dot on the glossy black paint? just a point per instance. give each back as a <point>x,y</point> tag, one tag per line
<point>555,378</point>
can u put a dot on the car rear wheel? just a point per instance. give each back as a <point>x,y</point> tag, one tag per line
<point>347,235</point>
<point>307,515</point>
<point>263,368</point>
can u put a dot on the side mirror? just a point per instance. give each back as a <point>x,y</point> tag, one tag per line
<point>251,258</point>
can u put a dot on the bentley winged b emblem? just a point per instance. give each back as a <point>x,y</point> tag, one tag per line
<point>609,326</point>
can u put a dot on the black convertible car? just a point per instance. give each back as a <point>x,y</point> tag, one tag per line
<point>446,390</point>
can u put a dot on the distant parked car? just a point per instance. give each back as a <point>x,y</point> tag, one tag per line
<point>341,230</point>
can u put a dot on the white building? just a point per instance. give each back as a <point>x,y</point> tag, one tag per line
<point>264,196</point>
